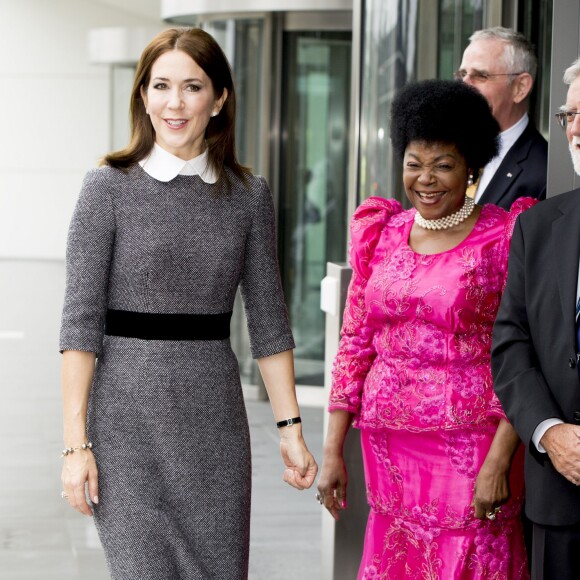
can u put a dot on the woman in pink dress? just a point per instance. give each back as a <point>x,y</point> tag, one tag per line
<point>443,467</point>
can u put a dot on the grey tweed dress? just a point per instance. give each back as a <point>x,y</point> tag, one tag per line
<point>167,417</point>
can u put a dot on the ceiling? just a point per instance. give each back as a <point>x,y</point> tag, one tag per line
<point>147,8</point>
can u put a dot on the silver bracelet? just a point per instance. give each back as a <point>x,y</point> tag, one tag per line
<point>68,450</point>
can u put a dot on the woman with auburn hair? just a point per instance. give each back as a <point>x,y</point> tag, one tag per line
<point>443,467</point>
<point>155,427</point>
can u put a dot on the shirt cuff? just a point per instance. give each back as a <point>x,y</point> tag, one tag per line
<point>540,431</point>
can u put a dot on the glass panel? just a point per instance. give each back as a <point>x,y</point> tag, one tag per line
<point>316,106</point>
<point>535,21</point>
<point>242,42</point>
<point>389,61</point>
<point>458,19</point>
<point>121,86</point>
<point>390,57</point>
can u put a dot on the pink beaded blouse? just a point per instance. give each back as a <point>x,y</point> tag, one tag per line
<point>416,336</point>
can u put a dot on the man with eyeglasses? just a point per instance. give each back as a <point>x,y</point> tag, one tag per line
<point>536,361</point>
<point>500,63</point>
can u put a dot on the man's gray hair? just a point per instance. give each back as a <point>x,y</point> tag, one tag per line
<point>572,72</point>
<point>519,55</point>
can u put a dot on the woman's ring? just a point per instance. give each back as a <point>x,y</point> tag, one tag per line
<point>490,516</point>
<point>63,494</point>
<point>319,498</point>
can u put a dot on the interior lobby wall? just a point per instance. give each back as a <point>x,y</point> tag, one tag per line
<point>55,117</point>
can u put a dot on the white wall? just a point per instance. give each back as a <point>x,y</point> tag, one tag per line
<point>54,117</point>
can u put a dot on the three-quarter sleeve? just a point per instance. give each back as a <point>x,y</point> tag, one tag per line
<point>356,351</point>
<point>88,258</point>
<point>260,284</point>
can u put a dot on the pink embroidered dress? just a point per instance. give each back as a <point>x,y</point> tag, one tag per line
<point>414,367</point>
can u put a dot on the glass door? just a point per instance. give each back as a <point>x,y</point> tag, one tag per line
<point>458,20</point>
<point>242,40</point>
<point>313,182</point>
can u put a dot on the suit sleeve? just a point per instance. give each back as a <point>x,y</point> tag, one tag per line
<point>518,380</point>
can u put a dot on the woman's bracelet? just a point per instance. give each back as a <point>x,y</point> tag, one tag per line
<point>288,422</point>
<point>68,450</point>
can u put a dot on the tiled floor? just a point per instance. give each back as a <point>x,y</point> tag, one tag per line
<point>40,537</point>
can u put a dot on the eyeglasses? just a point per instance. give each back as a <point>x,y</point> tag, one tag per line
<point>479,76</point>
<point>566,117</point>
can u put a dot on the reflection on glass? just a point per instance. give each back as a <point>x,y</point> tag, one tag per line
<point>535,21</point>
<point>316,107</point>
<point>389,62</point>
<point>458,19</point>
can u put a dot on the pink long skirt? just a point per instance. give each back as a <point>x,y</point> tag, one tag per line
<point>421,523</point>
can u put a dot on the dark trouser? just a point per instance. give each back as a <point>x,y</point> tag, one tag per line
<point>528,528</point>
<point>556,552</point>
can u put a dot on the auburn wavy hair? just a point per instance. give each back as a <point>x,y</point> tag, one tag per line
<point>220,132</point>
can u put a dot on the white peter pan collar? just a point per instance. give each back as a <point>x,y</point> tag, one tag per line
<point>164,166</point>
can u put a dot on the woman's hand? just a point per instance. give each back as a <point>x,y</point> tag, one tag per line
<point>301,467</point>
<point>79,469</point>
<point>491,489</point>
<point>333,479</point>
<point>332,483</point>
<point>492,484</point>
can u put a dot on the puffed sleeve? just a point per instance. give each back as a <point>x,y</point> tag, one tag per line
<point>356,352</point>
<point>260,285</point>
<point>520,205</point>
<point>88,258</point>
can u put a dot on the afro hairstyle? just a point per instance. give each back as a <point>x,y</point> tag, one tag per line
<point>442,111</point>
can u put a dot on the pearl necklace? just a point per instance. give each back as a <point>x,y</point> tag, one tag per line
<point>448,221</point>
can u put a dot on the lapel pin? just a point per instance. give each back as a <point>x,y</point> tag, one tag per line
<point>509,174</point>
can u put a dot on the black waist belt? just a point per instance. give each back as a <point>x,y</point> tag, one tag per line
<point>154,326</point>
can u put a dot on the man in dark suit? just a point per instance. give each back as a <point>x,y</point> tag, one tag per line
<point>500,63</point>
<point>535,361</point>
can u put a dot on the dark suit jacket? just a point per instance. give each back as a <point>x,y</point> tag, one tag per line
<point>534,345</point>
<point>522,172</point>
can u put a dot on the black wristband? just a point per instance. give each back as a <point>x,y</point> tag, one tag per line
<point>288,422</point>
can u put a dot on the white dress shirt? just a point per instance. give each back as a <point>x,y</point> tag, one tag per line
<point>506,140</point>
<point>164,166</point>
